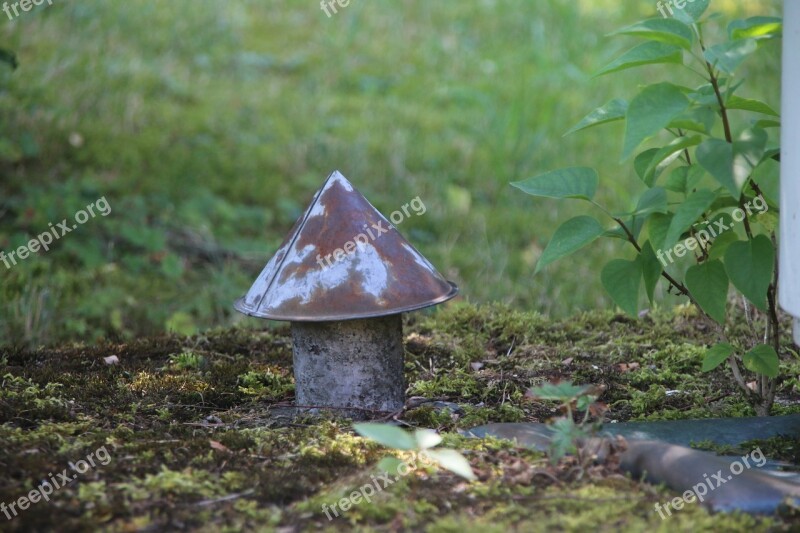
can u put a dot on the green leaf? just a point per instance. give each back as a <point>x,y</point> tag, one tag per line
<point>649,112</point>
<point>716,355</point>
<point>644,54</point>
<point>563,391</point>
<point>651,269</point>
<point>692,11</point>
<point>452,461</point>
<point>621,280</point>
<point>749,265</point>
<point>716,156</point>
<point>732,164</point>
<point>676,181</point>
<point>773,153</point>
<point>770,153</point>
<point>704,95</point>
<point>669,31</point>
<point>657,227</point>
<point>708,284</point>
<point>684,179</point>
<point>390,465</point>
<point>572,182</point>
<point>636,223</point>
<point>767,176</point>
<point>755,27</point>
<point>571,236</point>
<point>748,151</point>
<point>610,112</point>
<point>675,147</point>
<point>699,119</point>
<point>566,434</point>
<point>584,402</point>
<point>766,123</point>
<point>389,436</point>
<point>749,104</point>
<point>687,214</point>
<point>652,201</point>
<point>719,223</point>
<point>728,56</point>
<point>427,438</point>
<point>721,243</point>
<point>763,360</point>
<point>767,221</point>
<point>642,161</point>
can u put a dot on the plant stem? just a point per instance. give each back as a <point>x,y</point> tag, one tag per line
<point>678,285</point>
<point>726,125</point>
<point>766,389</point>
<point>722,109</point>
<point>631,239</point>
<point>685,150</point>
<point>773,308</point>
<point>737,374</point>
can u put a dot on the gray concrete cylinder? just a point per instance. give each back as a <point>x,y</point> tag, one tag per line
<point>352,363</point>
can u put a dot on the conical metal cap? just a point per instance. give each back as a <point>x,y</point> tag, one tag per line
<point>376,272</point>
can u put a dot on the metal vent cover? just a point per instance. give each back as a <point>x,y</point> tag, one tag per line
<point>382,274</point>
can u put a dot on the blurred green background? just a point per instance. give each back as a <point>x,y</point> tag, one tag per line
<point>208,126</point>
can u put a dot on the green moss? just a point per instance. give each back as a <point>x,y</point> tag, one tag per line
<point>586,508</point>
<point>268,384</point>
<point>457,385</point>
<point>431,417</point>
<point>196,437</point>
<point>780,448</point>
<point>476,416</point>
<point>22,400</point>
<point>188,361</point>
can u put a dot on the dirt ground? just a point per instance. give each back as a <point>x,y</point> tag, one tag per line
<point>194,432</point>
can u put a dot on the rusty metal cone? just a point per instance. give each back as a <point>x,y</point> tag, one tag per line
<point>307,280</point>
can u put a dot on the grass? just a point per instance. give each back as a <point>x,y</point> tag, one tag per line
<point>209,125</point>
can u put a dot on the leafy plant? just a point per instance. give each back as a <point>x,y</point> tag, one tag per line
<point>707,179</point>
<point>566,433</point>
<point>422,441</point>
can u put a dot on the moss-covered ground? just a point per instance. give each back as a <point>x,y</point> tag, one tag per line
<point>195,442</point>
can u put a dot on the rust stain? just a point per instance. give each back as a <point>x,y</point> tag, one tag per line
<point>379,273</point>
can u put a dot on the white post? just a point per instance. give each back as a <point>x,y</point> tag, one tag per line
<point>790,166</point>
